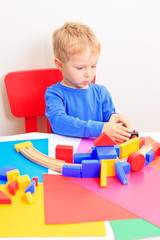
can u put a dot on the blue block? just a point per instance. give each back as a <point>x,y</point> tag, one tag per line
<point>94,153</point>
<point>106,152</point>
<point>149,156</point>
<point>146,163</point>
<point>126,166</point>
<point>117,148</point>
<point>4,170</point>
<point>91,168</point>
<point>31,187</point>
<point>78,157</point>
<point>120,174</point>
<point>71,171</point>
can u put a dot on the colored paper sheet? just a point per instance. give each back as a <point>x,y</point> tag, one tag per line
<point>141,196</point>
<point>85,145</point>
<point>67,202</point>
<point>10,157</point>
<point>20,219</point>
<point>134,229</point>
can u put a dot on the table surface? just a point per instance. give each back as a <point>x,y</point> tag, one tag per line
<point>53,141</point>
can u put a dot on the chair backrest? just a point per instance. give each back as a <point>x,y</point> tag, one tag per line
<point>26,91</point>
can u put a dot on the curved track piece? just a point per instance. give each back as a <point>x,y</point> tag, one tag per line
<point>41,159</point>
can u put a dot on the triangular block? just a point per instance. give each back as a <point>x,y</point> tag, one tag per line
<point>120,174</point>
<point>13,187</point>
<point>31,187</point>
<point>4,199</point>
<point>104,140</point>
<point>28,197</point>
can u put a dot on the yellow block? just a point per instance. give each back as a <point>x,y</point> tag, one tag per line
<point>111,171</point>
<point>28,197</point>
<point>103,176</point>
<point>23,181</point>
<point>129,146</point>
<point>12,175</point>
<point>23,145</point>
<point>27,220</point>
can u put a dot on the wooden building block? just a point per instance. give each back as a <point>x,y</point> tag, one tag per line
<point>106,152</point>
<point>23,181</point>
<point>4,199</point>
<point>13,187</point>
<point>28,197</point>
<point>91,168</point>
<point>13,174</point>
<point>104,140</point>
<point>71,170</point>
<point>110,166</point>
<point>4,170</point>
<point>136,160</point>
<point>142,142</point>
<point>36,180</point>
<point>31,187</point>
<point>103,176</point>
<point>64,152</point>
<point>78,157</point>
<point>120,173</point>
<point>129,146</point>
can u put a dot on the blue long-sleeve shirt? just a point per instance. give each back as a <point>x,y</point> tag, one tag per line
<point>78,112</point>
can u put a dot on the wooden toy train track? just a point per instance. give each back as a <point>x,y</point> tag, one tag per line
<point>28,151</point>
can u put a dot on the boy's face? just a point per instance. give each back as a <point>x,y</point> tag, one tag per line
<point>80,70</point>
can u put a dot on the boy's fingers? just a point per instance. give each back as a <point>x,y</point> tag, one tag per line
<point>124,132</point>
<point>120,138</point>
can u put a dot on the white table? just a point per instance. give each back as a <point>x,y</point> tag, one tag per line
<point>53,141</point>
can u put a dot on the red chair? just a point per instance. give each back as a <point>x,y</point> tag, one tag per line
<point>26,91</point>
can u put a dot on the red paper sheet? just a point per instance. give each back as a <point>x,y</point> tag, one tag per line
<point>68,202</point>
<point>141,196</point>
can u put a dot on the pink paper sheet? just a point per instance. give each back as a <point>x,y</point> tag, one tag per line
<point>85,145</point>
<point>141,196</point>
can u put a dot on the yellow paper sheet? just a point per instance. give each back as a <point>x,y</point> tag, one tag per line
<point>20,219</point>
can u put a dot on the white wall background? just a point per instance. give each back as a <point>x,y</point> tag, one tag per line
<point>129,31</point>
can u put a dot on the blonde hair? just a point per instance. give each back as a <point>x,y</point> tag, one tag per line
<point>73,38</point>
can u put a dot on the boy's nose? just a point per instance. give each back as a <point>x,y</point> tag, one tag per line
<point>87,74</point>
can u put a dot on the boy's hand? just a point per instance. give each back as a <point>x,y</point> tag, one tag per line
<point>116,118</point>
<point>116,131</point>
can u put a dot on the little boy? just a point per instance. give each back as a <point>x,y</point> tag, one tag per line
<point>75,106</point>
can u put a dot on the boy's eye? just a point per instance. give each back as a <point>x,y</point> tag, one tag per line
<point>94,66</point>
<point>79,68</point>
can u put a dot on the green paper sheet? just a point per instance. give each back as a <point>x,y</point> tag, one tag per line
<point>134,229</point>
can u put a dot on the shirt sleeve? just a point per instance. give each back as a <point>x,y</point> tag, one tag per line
<point>107,105</point>
<point>63,124</point>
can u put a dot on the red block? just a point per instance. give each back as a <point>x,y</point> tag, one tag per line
<point>104,140</point>
<point>155,149</point>
<point>4,199</point>
<point>136,160</point>
<point>13,187</point>
<point>64,152</point>
<point>157,145</point>
<point>36,180</point>
<point>142,142</point>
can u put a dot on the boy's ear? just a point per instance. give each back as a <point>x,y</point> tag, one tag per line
<point>58,63</point>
